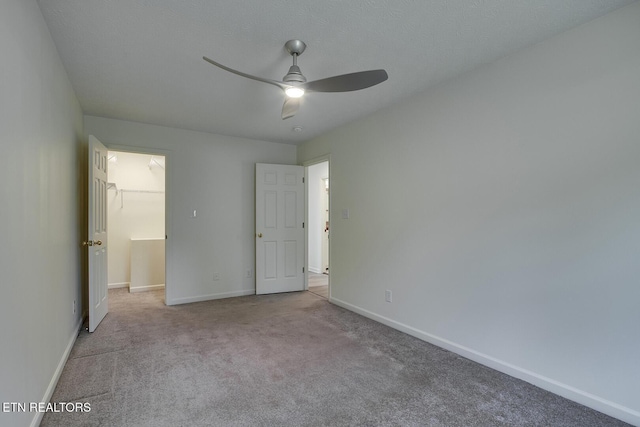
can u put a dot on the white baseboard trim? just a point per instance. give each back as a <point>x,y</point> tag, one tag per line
<point>37,418</point>
<point>145,288</point>
<point>315,270</point>
<point>221,295</point>
<point>582,397</point>
<point>118,285</point>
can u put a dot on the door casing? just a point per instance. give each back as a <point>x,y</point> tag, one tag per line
<point>307,164</point>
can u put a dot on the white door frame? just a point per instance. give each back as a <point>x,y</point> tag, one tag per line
<point>314,161</point>
<point>167,205</point>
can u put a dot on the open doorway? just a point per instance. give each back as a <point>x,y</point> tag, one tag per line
<point>136,221</point>
<point>319,225</point>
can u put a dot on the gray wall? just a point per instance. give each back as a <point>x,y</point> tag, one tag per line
<point>40,267</point>
<point>214,175</point>
<point>502,209</point>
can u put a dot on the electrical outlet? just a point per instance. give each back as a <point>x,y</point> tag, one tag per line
<point>249,273</point>
<point>216,276</point>
<point>387,295</point>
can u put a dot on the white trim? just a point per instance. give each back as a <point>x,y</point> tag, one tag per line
<point>118,285</point>
<point>37,418</point>
<point>145,288</point>
<point>315,270</point>
<point>209,297</point>
<point>580,396</point>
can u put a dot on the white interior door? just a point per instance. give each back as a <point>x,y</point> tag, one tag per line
<point>279,228</point>
<point>97,234</point>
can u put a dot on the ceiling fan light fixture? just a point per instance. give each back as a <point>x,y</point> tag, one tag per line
<point>294,92</point>
<point>295,84</point>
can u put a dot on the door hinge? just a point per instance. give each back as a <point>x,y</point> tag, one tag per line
<point>303,179</point>
<point>303,269</point>
<point>303,225</point>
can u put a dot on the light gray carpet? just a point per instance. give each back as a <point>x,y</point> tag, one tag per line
<point>319,284</point>
<point>284,360</point>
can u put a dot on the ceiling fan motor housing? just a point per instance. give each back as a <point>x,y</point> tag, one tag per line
<point>294,75</point>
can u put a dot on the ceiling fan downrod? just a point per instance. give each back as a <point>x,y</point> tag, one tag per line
<point>295,48</point>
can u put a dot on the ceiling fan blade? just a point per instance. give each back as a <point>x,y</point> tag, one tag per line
<point>290,107</point>
<point>249,76</point>
<point>347,82</point>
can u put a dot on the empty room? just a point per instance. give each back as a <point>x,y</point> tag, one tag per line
<point>380,213</point>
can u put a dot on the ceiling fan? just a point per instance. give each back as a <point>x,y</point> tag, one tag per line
<point>295,85</point>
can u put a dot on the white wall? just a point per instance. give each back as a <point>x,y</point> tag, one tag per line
<point>133,215</point>
<point>316,218</point>
<point>214,175</point>
<point>509,227</point>
<point>147,264</point>
<point>40,189</point>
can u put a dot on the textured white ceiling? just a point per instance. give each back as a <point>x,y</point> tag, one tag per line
<point>141,60</point>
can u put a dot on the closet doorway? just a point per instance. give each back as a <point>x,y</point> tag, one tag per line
<point>317,175</point>
<point>136,221</point>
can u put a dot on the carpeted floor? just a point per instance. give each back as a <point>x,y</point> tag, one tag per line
<point>284,360</point>
<point>319,284</point>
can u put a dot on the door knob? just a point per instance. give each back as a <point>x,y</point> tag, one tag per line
<point>98,242</point>
<point>260,235</point>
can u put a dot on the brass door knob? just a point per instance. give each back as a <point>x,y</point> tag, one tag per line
<point>98,242</point>
<point>260,235</point>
